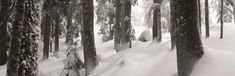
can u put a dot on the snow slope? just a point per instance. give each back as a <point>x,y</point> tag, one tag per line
<point>153,59</point>
<point>156,59</point>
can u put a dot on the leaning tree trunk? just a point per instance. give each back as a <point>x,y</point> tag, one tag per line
<point>207,19</point>
<point>5,38</point>
<point>221,19</point>
<point>88,36</point>
<point>29,48</point>
<point>13,59</point>
<point>173,32</point>
<point>157,34</point>
<point>189,46</point>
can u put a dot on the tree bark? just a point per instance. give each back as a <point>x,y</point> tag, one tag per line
<point>188,45</point>
<point>221,19</point>
<point>157,22</point>
<point>207,19</point>
<point>29,48</point>
<point>13,59</point>
<point>88,36</point>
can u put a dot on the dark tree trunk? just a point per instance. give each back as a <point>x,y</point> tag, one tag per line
<point>13,59</point>
<point>189,46</point>
<point>5,36</point>
<point>117,26</point>
<point>29,48</point>
<point>57,33</point>
<point>207,19</point>
<point>199,16</point>
<point>47,35</point>
<point>69,25</point>
<point>157,22</point>
<point>221,19</point>
<point>127,24</point>
<point>173,32</point>
<point>88,36</point>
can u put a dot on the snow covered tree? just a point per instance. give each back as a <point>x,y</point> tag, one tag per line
<point>29,44</point>
<point>5,36</point>
<point>13,59</point>
<point>207,19</point>
<point>188,42</point>
<point>89,49</point>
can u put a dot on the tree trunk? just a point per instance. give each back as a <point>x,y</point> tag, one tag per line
<point>29,48</point>
<point>13,59</point>
<point>127,24</point>
<point>189,46</point>
<point>199,16</point>
<point>173,32</point>
<point>57,32</point>
<point>157,22</point>
<point>47,35</point>
<point>5,36</point>
<point>88,36</point>
<point>221,19</point>
<point>117,25</point>
<point>207,19</point>
<point>69,25</point>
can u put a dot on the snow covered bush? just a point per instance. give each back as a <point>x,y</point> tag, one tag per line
<point>145,36</point>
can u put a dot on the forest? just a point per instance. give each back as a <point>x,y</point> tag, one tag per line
<point>117,37</point>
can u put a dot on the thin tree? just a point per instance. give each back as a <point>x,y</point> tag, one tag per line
<point>207,19</point>
<point>173,32</point>
<point>157,21</point>
<point>188,42</point>
<point>13,59</point>
<point>199,14</point>
<point>88,36</point>
<point>221,19</point>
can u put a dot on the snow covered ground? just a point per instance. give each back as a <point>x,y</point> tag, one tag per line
<point>153,59</point>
